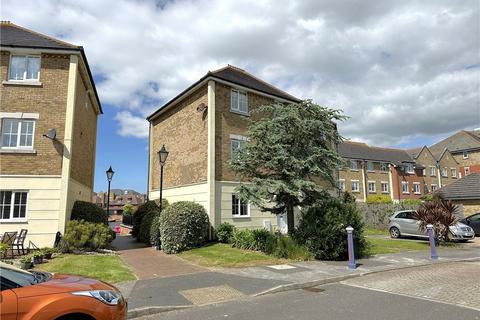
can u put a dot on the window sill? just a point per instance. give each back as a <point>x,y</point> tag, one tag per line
<point>417,193</point>
<point>22,83</point>
<point>405,192</point>
<point>354,170</point>
<point>355,191</point>
<point>22,151</point>
<point>245,114</point>
<point>13,221</point>
<point>371,171</point>
<point>385,192</point>
<point>240,217</point>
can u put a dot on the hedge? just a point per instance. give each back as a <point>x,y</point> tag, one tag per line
<point>89,212</point>
<point>379,199</point>
<point>183,225</point>
<point>140,213</point>
<point>144,233</point>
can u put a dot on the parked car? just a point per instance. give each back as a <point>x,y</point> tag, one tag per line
<point>473,221</point>
<point>41,295</point>
<point>404,223</point>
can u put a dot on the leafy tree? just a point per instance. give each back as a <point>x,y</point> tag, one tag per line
<point>127,209</point>
<point>290,159</point>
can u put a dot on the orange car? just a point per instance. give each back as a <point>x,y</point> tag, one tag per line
<point>42,296</point>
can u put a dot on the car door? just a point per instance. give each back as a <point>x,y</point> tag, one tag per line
<point>474,222</point>
<point>411,224</point>
<point>8,304</point>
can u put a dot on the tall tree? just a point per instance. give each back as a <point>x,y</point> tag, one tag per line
<point>290,158</point>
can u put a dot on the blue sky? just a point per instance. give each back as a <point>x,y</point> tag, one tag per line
<point>407,73</point>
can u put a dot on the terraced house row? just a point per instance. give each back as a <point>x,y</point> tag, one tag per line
<point>398,174</point>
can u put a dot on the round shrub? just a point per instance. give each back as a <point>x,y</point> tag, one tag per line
<point>146,226</point>
<point>183,225</point>
<point>86,236</point>
<point>140,213</point>
<point>322,230</point>
<point>224,232</point>
<point>89,212</point>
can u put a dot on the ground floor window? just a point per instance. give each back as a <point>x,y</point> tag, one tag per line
<point>405,187</point>
<point>371,187</point>
<point>384,187</point>
<point>434,187</point>
<point>13,205</point>
<point>239,207</point>
<point>355,186</point>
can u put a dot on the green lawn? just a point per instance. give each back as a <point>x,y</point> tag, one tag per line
<point>375,232</point>
<point>381,246</point>
<point>223,255</point>
<point>108,268</point>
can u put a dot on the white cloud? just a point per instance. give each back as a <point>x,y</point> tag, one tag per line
<point>131,126</point>
<point>401,70</point>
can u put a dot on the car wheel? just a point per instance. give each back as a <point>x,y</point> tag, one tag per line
<point>394,232</point>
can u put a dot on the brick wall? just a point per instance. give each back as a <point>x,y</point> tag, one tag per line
<point>473,158</point>
<point>183,130</point>
<point>49,101</point>
<point>348,175</point>
<point>227,123</point>
<point>84,136</point>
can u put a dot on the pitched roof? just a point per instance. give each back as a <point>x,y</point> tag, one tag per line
<point>358,150</point>
<point>466,188</point>
<point>234,75</point>
<point>414,152</point>
<point>15,36</point>
<point>462,140</point>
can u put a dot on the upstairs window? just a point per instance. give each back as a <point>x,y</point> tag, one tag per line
<point>353,165</point>
<point>24,68</point>
<point>369,165</point>
<point>453,172</point>
<point>13,205</point>
<point>410,168</point>
<point>433,171</point>
<point>239,207</point>
<point>416,187</point>
<point>405,187</point>
<point>465,154</point>
<point>341,185</point>
<point>434,187</point>
<point>17,133</point>
<point>355,186</point>
<point>239,101</point>
<point>444,172</point>
<point>236,145</point>
<point>383,167</point>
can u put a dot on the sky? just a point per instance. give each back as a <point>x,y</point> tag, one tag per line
<point>407,73</point>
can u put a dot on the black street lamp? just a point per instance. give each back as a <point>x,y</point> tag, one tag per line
<point>162,158</point>
<point>109,173</point>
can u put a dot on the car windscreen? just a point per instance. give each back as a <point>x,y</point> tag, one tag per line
<point>20,278</point>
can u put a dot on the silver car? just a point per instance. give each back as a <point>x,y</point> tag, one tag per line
<point>404,223</point>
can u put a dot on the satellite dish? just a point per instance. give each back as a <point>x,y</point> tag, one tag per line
<point>52,134</point>
<point>201,107</point>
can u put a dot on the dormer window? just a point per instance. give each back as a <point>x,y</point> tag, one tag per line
<point>24,68</point>
<point>239,101</point>
<point>410,168</point>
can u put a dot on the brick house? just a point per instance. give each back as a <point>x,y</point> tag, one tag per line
<point>465,148</point>
<point>201,128</point>
<point>396,173</point>
<point>49,112</point>
<point>118,199</point>
<point>464,192</point>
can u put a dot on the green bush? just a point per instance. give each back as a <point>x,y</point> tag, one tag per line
<point>86,236</point>
<point>183,225</point>
<point>155,230</point>
<point>379,199</point>
<point>322,230</point>
<point>411,202</point>
<point>287,248</point>
<point>140,213</point>
<point>146,226</point>
<point>224,232</point>
<point>89,212</point>
<point>243,239</point>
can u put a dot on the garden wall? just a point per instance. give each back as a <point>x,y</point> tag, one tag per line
<point>376,215</point>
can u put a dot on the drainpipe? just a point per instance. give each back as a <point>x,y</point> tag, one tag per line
<point>362,164</point>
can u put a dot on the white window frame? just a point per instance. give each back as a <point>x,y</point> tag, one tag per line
<point>465,155</point>
<point>241,140</point>
<point>236,109</point>
<point>357,183</point>
<point>351,165</point>
<point>405,183</point>
<point>384,183</point>
<point>466,170</point>
<point>370,183</point>
<point>434,170</point>
<point>12,205</point>
<point>370,163</point>
<point>433,187</point>
<point>416,185</point>
<point>453,172</point>
<point>383,167</point>
<point>341,185</point>
<point>238,215</point>
<point>26,56</point>
<point>17,146</point>
<point>444,172</point>
<point>410,168</point>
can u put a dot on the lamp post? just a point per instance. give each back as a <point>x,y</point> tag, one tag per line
<point>109,173</point>
<point>162,158</point>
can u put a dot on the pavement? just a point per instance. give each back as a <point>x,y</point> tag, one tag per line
<point>168,282</point>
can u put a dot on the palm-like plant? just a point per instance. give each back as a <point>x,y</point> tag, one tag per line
<point>438,213</point>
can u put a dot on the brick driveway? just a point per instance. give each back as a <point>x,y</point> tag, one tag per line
<point>454,283</point>
<point>147,263</point>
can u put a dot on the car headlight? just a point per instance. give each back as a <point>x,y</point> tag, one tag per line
<point>106,296</point>
<point>454,228</point>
